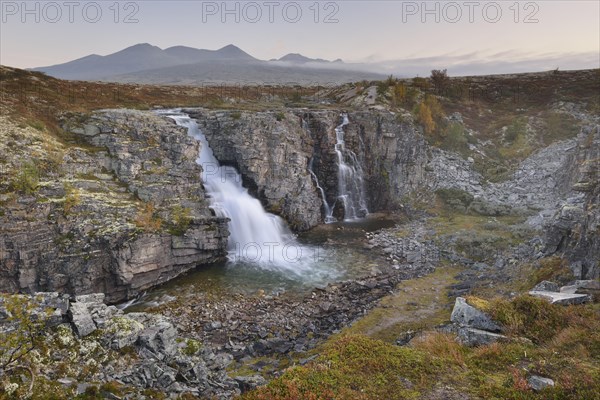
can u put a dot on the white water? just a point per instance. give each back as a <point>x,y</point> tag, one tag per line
<point>328,209</point>
<point>351,188</point>
<point>256,237</point>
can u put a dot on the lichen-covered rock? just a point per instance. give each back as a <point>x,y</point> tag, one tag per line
<point>538,383</point>
<point>80,231</point>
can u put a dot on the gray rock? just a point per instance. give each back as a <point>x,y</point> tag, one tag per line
<point>467,315</point>
<point>477,337</point>
<point>247,383</point>
<point>81,319</point>
<point>546,286</point>
<point>95,298</point>
<point>561,298</point>
<point>159,339</point>
<point>581,285</point>
<point>538,383</point>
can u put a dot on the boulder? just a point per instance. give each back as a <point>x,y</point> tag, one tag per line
<point>561,298</point>
<point>81,319</point>
<point>538,383</point>
<point>546,286</point>
<point>477,337</point>
<point>247,383</point>
<point>159,339</point>
<point>464,314</point>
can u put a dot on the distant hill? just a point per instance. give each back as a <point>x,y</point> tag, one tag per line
<point>145,63</point>
<point>300,59</point>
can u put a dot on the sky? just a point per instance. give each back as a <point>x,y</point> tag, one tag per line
<point>395,36</point>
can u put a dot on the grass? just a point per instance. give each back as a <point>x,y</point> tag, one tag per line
<point>417,304</point>
<point>354,366</point>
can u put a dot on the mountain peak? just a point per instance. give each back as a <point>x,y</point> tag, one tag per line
<point>233,51</point>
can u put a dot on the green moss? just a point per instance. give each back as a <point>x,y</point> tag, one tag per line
<point>192,347</point>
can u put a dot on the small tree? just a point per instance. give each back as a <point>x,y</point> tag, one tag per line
<point>147,220</point>
<point>425,118</point>
<point>22,329</point>
<point>440,79</point>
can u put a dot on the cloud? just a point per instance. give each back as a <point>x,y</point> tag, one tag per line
<point>482,63</point>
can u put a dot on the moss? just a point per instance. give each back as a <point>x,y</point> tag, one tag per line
<point>192,347</point>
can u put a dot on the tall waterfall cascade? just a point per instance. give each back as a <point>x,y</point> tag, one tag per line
<point>351,188</point>
<point>256,236</point>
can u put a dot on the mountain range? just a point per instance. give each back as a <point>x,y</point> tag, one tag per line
<point>145,63</point>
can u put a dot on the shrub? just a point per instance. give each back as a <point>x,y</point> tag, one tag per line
<point>147,220</point>
<point>27,179</point>
<point>455,197</point>
<point>181,218</point>
<point>420,83</point>
<point>72,198</point>
<point>425,118</point>
<point>517,128</point>
<point>455,139</point>
<point>22,333</point>
<point>440,79</point>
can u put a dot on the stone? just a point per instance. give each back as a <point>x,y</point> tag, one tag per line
<point>477,337</point>
<point>247,383</point>
<point>81,319</point>
<point>546,286</point>
<point>95,298</point>
<point>561,298</point>
<point>406,337</point>
<point>538,383</point>
<point>581,285</point>
<point>466,315</point>
<point>159,339</point>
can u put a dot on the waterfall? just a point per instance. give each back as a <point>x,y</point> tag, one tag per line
<point>328,209</point>
<point>351,189</point>
<point>256,237</point>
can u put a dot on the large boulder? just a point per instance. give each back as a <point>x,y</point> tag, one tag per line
<point>466,315</point>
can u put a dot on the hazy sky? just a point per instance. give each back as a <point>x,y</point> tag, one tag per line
<point>501,35</point>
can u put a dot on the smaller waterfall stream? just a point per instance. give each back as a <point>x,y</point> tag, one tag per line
<point>328,209</point>
<point>350,177</point>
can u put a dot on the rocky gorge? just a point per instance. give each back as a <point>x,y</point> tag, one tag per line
<point>109,204</point>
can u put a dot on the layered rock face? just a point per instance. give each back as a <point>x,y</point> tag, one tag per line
<point>574,230</point>
<point>272,152</point>
<point>124,211</point>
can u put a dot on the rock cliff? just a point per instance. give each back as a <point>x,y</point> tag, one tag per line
<point>122,209</point>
